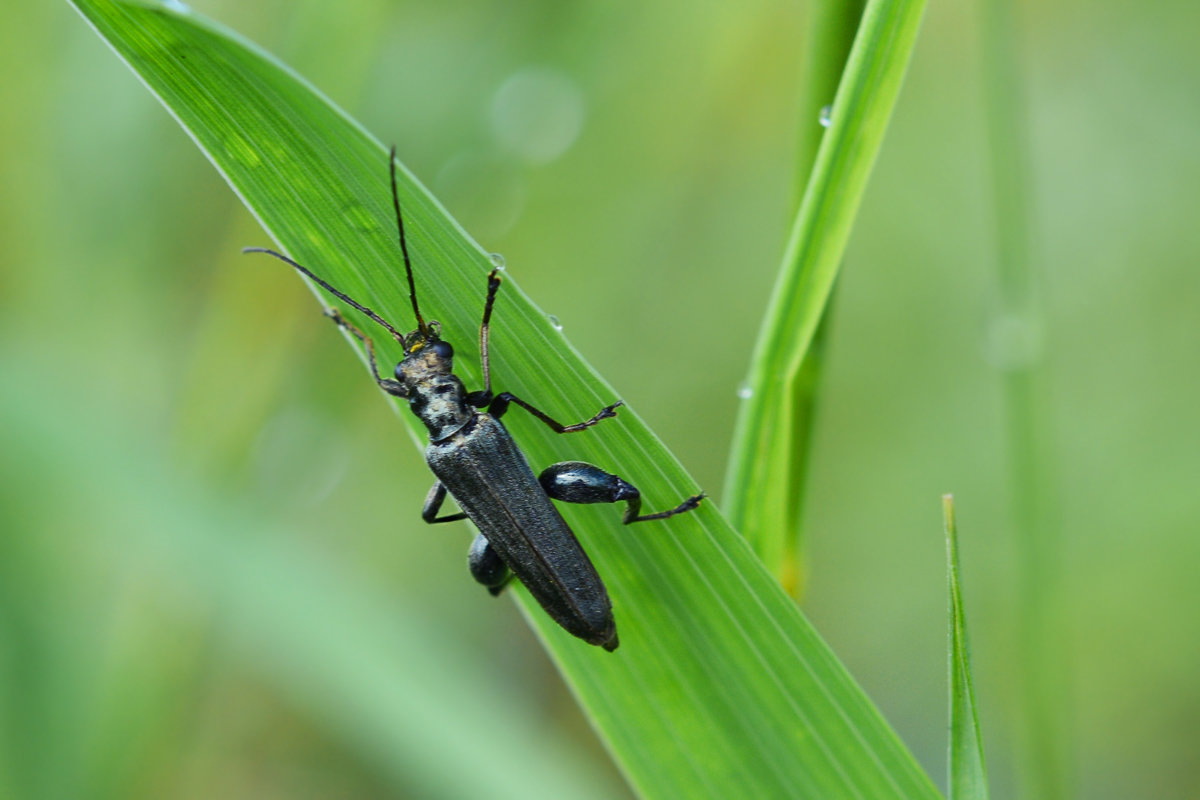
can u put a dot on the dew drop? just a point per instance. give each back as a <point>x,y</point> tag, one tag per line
<point>497,261</point>
<point>745,392</point>
<point>554,323</point>
<point>826,116</point>
<point>177,6</point>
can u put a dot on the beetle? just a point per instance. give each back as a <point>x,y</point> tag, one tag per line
<point>475,460</point>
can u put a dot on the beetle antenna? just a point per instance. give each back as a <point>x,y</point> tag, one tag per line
<point>341,296</point>
<point>412,287</point>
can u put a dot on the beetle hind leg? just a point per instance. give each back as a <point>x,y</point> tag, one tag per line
<point>580,482</point>
<point>487,567</point>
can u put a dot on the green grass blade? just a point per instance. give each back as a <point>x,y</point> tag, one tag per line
<point>827,43</point>
<point>968,770</point>
<point>721,688</point>
<point>759,490</point>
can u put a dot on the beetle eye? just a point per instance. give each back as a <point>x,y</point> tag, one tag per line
<point>400,372</point>
<point>443,349</point>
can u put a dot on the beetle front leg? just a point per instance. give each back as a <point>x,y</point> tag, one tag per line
<point>580,482</point>
<point>390,386</point>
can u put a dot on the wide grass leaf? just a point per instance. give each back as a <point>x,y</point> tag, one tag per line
<point>720,688</point>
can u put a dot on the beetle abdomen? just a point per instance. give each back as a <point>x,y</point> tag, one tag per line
<point>491,481</point>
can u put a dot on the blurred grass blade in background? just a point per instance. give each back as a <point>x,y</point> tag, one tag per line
<point>721,688</point>
<point>158,548</point>
<point>1017,352</point>
<point>761,493</point>
<point>967,768</point>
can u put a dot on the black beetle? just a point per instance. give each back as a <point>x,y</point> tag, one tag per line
<point>521,533</point>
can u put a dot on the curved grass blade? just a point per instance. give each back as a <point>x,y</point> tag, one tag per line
<point>721,688</point>
<point>760,490</point>
<point>968,770</point>
<point>828,42</point>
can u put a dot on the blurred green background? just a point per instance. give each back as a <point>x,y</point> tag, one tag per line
<point>214,580</point>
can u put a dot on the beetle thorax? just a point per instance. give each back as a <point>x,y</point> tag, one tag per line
<point>435,394</point>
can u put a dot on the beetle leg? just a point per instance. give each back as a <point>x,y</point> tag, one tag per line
<point>579,482</point>
<point>433,504</point>
<point>389,386</point>
<point>500,404</point>
<point>487,567</point>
